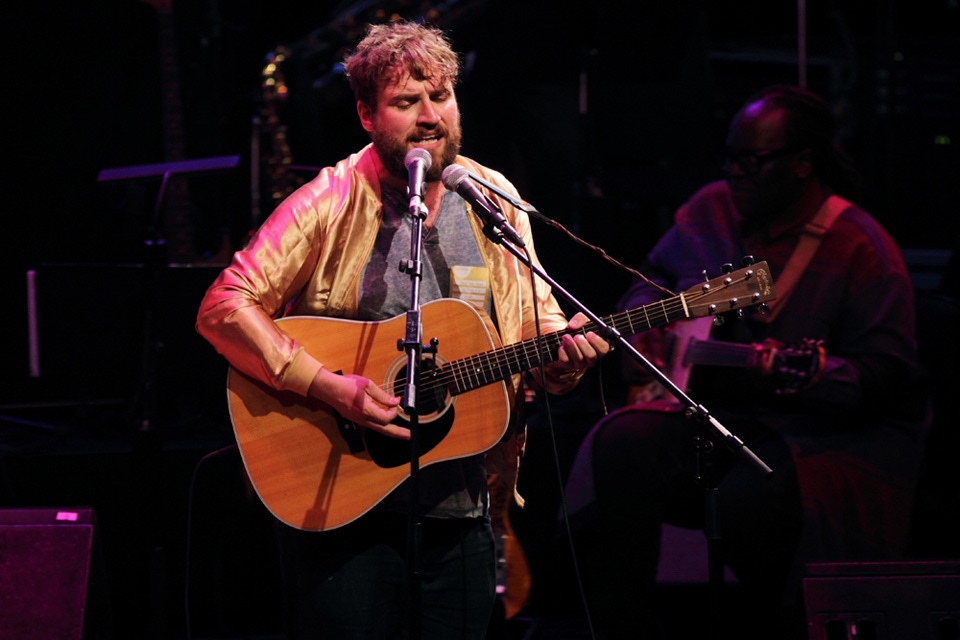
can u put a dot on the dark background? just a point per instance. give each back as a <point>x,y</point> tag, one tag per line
<point>606,116</point>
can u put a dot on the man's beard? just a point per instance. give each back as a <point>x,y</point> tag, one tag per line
<point>392,153</point>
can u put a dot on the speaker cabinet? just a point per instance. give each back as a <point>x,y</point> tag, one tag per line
<point>883,600</point>
<point>44,572</point>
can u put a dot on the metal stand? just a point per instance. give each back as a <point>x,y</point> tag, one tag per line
<point>155,262</point>
<point>412,344</point>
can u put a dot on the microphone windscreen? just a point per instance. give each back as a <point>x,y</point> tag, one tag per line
<point>453,175</point>
<point>417,154</point>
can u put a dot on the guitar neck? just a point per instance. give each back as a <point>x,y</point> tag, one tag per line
<point>738,289</point>
<point>499,364</point>
<point>719,354</point>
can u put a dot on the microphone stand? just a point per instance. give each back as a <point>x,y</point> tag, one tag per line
<point>412,343</point>
<point>705,447</point>
<point>612,335</point>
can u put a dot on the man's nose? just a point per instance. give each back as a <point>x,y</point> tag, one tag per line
<point>428,114</point>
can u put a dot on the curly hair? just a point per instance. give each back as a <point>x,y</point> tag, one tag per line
<point>389,50</point>
<point>810,124</point>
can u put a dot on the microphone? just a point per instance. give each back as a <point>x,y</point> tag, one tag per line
<point>417,161</point>
<point>456,178</point>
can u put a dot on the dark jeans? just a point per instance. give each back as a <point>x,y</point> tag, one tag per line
<point>645,474</point>
<point>352,582</point>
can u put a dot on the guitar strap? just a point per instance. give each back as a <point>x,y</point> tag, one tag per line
<point>813,232</point>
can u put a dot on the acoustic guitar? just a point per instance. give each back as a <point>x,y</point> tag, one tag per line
<point>316,471</point>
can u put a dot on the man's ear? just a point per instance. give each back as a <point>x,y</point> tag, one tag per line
<point>366,116</point>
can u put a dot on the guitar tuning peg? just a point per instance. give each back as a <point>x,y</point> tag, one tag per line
<point>740,313</point>
<point>718,321</point>
<point>726,268</point>
<point>706,278</point>
<point>763,309</point>
<point>746,261</point>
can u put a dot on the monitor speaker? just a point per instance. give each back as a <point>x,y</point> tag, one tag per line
<point>45,558</point>
<point>883,600</point>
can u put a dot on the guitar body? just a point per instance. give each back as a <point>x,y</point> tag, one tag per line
<point>513,572</point>
<point>686,332</point>
<point>678,336</point>
<point>315,472</point>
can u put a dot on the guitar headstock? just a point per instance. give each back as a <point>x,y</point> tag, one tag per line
<point>735,290</point>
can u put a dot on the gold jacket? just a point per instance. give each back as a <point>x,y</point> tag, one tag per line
<point>307,259</point>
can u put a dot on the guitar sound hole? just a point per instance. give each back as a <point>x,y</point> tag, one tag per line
<point>435,413</point>
<point>433,397</point>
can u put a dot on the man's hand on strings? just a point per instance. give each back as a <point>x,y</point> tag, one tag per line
<point>578,352</point>
<point>360,401</point>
